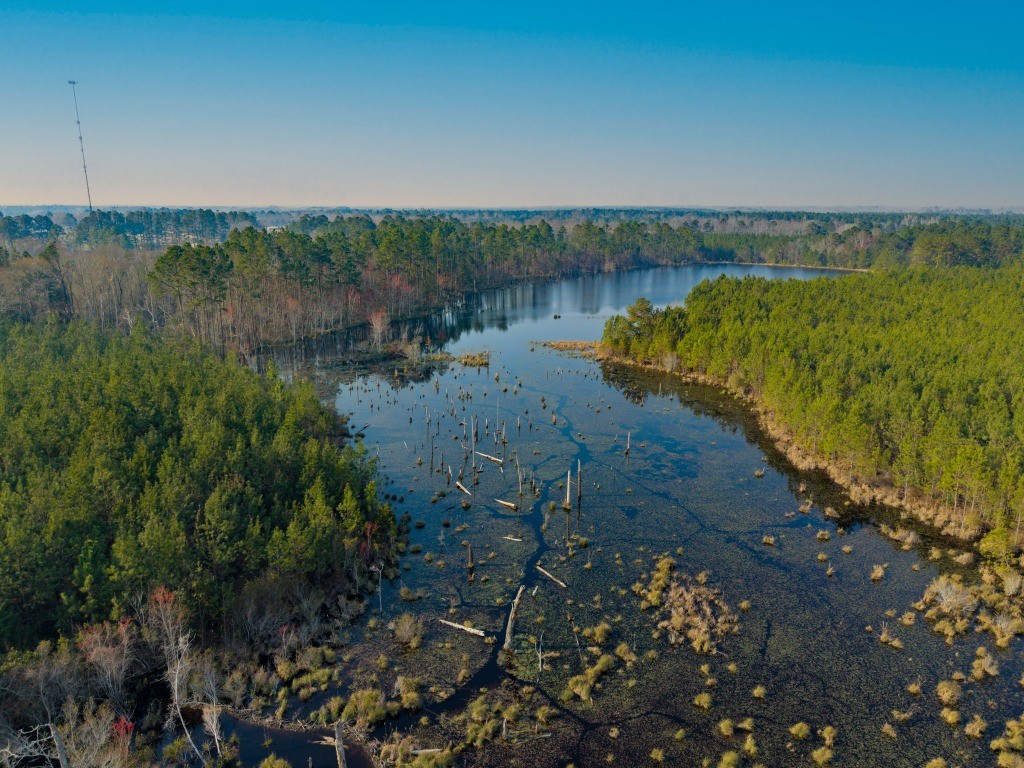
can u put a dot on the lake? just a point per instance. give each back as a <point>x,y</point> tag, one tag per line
<point>700,483</point>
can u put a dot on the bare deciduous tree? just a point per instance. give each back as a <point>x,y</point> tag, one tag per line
<point>110,651</point>
<point>379,320</point>
<point>35,693</point>
<point>167,620</point>
<point>207,684</point>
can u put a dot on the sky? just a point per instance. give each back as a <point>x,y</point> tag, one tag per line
<point>527,104</point>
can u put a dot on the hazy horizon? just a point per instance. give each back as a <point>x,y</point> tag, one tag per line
<point>526,107</point>
<point>920,210</point>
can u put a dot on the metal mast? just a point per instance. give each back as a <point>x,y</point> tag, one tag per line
<point>81,144</point>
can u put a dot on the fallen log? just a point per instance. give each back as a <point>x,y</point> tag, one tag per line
<point>470,630</point>
<point>508,504</point>
<point>462,488</point>
<point>339,746</point>
<point>488,456</point>
<point>512,617</point>
<point>555,579</point>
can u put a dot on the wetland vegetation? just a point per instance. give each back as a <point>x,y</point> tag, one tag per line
<point>684,593</point>
<point>908,385</point>
<point>815,663</point>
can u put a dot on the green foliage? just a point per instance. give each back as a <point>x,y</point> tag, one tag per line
<point>225,280</point>
<point>128,462</point>
<point>365,708</point>
<point>914,374</point>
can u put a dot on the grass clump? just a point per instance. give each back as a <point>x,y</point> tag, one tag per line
<point>689,611</point>
<point>581,686</point>
<point>408,630</point>
<point>482,723</point>
<point>828,735</point>
<point>475,359</point>
<point>951,717</point>
<point>750,746</point>
<point>702,700</point>
<point>975,728</point>
<point>400,751</point>
<point>408,691</point>
<point>545,714</point>
<point>800,731</point>
<point>984,665</point>
<point>1010,744</point>
<point>949,692</point>
<point>625,654</point>
<point>365,708</point>
<point>822,756</point>
<point>902,716</point>
<point>598,635</point>
<point>950,605</point>
<point>410,595</point>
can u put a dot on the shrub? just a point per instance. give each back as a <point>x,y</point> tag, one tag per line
<point>409,630</point>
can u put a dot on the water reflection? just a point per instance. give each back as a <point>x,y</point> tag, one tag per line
<point>583,303</point>
<point>688,487</point>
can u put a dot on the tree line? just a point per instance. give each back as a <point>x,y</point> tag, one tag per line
<point>258,287</point>
<point>142,228</point>
<point>912,375</point>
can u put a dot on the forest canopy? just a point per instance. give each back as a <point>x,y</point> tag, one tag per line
<point>917,374</point>
<point>131,461</point>
<point>220,278</point>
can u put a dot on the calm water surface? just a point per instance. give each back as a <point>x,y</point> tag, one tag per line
<point>688,486</point>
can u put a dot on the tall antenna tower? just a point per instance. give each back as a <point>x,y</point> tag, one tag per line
<point>81,144</point>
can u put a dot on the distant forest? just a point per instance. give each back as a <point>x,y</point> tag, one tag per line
<point>220,278</point>
<point>131,229</point>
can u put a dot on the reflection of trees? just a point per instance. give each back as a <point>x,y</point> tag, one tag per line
<point>498,309</point>
<point>643,387</point>
<point>396,371</point>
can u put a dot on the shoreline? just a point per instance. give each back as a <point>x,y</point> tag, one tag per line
<point>783,264</point>
<point>270,349</point>
<point>861,491</point>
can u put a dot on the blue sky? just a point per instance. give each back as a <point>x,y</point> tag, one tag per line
<point>524,104</point>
